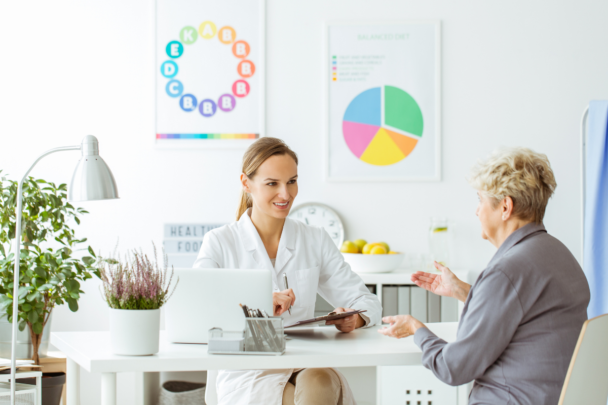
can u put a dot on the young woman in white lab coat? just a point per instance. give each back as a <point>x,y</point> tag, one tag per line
<point>263,237</point>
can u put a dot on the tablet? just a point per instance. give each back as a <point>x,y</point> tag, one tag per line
<point>324,318</point>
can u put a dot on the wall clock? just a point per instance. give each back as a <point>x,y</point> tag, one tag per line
<point>321,215</point>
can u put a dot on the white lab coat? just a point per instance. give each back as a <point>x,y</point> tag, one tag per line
<point>313,264</point>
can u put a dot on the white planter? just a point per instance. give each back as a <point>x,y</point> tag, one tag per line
<point>134,332</point>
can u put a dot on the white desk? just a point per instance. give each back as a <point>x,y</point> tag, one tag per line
<point>321,347</point>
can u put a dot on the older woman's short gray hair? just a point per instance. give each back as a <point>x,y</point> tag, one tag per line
<point>521,174</point>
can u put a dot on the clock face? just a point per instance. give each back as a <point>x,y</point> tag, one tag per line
<point>321,215</point>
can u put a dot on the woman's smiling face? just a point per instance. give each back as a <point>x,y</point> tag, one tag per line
<point>274,186</point>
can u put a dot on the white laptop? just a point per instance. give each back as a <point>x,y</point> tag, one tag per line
<point>209,298</point>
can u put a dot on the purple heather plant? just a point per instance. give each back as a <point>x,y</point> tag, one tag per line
<point>136,282</point>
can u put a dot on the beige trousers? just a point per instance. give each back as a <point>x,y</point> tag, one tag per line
<point>313,386</point>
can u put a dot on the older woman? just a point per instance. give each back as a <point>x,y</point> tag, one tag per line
<point>523,315</point>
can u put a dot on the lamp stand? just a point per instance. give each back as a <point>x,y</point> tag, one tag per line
<point>18,262</point>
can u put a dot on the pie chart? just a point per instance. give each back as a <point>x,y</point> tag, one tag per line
<point>382,125</point>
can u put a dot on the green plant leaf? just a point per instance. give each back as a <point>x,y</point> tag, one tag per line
<point>91,252</point>
<point>26,307</point>
<point>22,325</point>
<point>37,328</point>
<point>88,260</point>
<point>34,296</point>
<point>29,234</point>
<point>40,272</point>
<point>73,304</point>
<point>32,316</point>
<point>23,291</point>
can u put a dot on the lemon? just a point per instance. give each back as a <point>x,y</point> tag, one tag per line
<point>393,253</point>
<point>349,247</point>
<point>378,250</point>
<point>388,249</point>
<point>440,230</point>
<point>360,243</point>
<point>367,248</point>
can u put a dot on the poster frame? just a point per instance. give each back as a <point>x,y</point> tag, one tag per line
<point>326,142</point>
<point>216,143</point>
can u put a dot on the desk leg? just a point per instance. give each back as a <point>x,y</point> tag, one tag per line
<point>108,388</point>
<point>147,387</point>
<point>72,382</point>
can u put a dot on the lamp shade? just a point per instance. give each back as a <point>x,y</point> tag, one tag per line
<point>92,179</point>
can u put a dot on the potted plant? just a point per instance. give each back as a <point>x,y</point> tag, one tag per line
<point>135,289</point>
<point>50,269</point>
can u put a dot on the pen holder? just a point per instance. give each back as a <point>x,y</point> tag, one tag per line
<point>264,335</point>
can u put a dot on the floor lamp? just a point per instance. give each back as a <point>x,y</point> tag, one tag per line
<point>92,180</point>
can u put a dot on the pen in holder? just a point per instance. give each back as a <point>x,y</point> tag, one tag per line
<point>264,335</point>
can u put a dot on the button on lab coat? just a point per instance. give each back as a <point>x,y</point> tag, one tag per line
<point>313,264</point>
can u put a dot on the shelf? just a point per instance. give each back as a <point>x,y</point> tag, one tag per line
<point>20,374</point>
<point>20,389</point>
<point>402,277</point>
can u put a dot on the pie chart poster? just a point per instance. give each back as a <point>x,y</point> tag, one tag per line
<point>208,68</point>
<point>383,102</point>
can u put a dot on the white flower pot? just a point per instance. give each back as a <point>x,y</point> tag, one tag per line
<point>134,332</point>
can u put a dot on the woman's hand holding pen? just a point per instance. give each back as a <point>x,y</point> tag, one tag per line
<point>348,324</point>
<point>282,301</point>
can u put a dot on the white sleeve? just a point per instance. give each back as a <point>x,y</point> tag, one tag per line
<point>210,255</point>
<point>342,287</point>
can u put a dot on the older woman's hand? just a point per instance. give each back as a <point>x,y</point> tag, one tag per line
<point>445,284</point>
<point>401,326</point>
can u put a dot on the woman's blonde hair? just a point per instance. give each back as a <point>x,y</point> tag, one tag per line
<point>253,158</point>
<point>521,174</point>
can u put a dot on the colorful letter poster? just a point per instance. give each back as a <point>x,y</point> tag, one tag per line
<point>383,102</point>
<point>209,86</point>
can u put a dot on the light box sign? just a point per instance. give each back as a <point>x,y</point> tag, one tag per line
<point>187,246</point>
<point>183,241</point>
<point>191,231</point>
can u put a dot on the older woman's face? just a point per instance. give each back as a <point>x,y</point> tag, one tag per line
<point>489,215</point>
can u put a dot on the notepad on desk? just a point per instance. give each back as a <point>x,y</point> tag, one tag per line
<point>332,316</point>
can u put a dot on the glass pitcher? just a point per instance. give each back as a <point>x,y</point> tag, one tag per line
<point>439,241</point>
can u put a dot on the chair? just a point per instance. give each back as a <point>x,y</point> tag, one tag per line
<point>210,388</point>
<point>587,378</point>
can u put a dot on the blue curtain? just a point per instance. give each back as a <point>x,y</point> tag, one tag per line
<point>596,208</point>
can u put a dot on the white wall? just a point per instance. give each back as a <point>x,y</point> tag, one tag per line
<point>514,73</point>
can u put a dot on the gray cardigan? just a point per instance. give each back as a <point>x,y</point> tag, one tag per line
<point>519,325</point>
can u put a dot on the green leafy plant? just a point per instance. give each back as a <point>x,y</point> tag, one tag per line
<point>50,272</point>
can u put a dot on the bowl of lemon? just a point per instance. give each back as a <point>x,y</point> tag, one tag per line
<point>366,257</point>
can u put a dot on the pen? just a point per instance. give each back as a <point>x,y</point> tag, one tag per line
<point>287,288</point>
<point>273,331</point>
